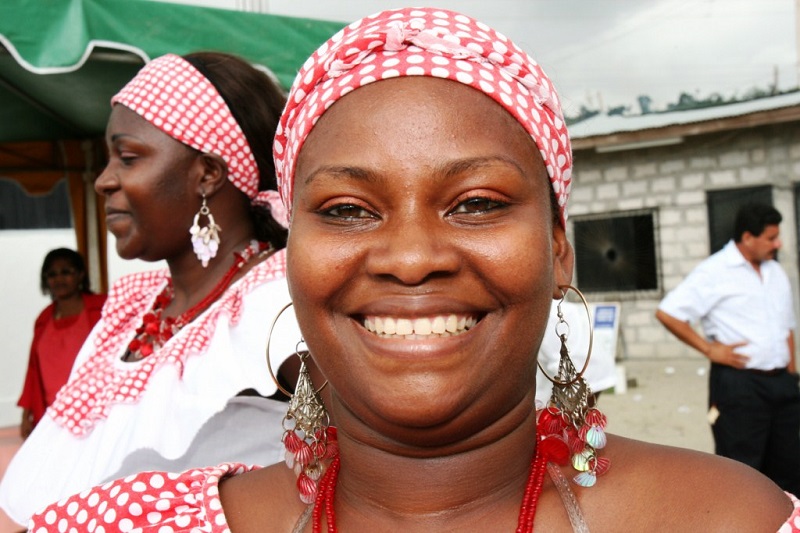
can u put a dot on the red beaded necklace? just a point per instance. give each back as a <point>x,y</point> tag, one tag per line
<point>533,488</point>
<point>155,331</point>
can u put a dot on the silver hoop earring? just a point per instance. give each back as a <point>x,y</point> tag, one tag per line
<point>569,415</point>
<point>308,438</point>
<point>570,375</point>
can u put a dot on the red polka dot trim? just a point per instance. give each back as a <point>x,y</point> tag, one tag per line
<point>792,525</point>
<point>150,501</point>
<point>104,380</point>
<point>426,42</point>
<point>177,99</point>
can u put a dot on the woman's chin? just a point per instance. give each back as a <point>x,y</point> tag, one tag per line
<point>123,253</point>
<point>63,295</point>
<point>126,251</point>
<point>417,413</point>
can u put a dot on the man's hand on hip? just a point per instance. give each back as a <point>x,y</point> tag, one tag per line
<point>725,354</point>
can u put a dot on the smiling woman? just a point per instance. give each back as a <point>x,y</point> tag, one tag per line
<point>409,232</point>
<point>425,163</point>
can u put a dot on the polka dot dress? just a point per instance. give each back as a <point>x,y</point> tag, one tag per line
<point>150,501</point>
<point>104,380</point>
<point>434,43</point>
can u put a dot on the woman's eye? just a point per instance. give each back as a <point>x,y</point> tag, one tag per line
<point>477,205</point>
<point>347,211</point>
<point>127,157</point>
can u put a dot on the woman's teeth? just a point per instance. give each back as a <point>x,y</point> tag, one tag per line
<point>439,326</point>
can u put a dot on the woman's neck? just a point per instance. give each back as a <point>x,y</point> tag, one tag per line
<point>191,282</point>
<point>69,305</point>
<point>450,489</point>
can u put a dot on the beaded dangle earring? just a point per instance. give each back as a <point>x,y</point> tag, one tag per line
<point>570,415</point>
<point>205,240</point>
<point>308,437</point>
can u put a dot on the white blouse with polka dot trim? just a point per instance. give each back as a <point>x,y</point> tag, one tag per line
<point>165,412</point>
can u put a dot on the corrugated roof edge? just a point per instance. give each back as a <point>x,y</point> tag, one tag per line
<point>602,125</point>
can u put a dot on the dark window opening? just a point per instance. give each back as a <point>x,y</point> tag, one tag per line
<point>20,210</point>
<point>616,253</point>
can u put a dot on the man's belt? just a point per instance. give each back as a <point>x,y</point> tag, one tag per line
<point>772,372</point>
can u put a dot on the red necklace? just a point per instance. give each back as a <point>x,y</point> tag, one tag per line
<point>155,331</point>
<point>533,488</point>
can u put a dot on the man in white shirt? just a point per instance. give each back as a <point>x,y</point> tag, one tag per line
<point>743,300</point>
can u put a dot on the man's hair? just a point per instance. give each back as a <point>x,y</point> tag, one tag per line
<point>754,218</point>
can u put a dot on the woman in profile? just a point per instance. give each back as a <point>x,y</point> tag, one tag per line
<point>172,376</point>
<point>58,333</point>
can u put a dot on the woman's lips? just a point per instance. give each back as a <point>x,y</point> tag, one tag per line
<point>113,215</point>
<point>446,325</point>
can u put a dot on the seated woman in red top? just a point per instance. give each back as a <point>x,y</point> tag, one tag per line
<point>58,333</point>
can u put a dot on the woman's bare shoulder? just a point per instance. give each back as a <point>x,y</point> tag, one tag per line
<point>682,490</point>
<point>263,500</point>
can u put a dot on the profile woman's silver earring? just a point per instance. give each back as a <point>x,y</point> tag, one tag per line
<point>205,239</point>
<point>308,437</point>
<point>570,413</point>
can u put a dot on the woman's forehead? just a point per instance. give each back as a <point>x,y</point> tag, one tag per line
<point>124,121</point>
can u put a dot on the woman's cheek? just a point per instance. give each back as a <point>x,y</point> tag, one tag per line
<point>315,261</point>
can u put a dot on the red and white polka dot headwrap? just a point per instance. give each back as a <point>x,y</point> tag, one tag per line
<point>176,98</point>
<point>426,42</point>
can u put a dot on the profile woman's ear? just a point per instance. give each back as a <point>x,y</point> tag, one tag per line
<point>563,260</point>
<point>214,174</point>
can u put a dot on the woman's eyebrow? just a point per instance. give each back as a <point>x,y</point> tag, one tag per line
<point>459,166</point>
<point>447,170</point>
<point>122,136</point>
<point>343,171</point>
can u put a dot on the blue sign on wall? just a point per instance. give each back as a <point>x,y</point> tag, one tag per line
<point>605,316</point>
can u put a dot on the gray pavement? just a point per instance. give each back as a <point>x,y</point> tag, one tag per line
<point>665,403</point>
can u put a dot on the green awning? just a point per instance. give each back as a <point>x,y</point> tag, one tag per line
<point>62,60</point>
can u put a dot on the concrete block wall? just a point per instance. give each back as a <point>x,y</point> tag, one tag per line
<point>673,181</point>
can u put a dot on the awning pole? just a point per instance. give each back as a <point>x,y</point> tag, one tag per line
<point>92,230</point>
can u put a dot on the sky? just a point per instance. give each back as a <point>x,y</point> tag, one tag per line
<point>606,53</point>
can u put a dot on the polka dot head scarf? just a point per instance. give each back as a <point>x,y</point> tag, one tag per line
<point>434,43</point>
<point>176,98</point>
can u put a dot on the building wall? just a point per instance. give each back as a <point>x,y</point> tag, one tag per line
<point>674,180</point>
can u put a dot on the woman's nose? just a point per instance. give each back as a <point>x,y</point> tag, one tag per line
<point>413,250</point>
<point>106,181</point>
